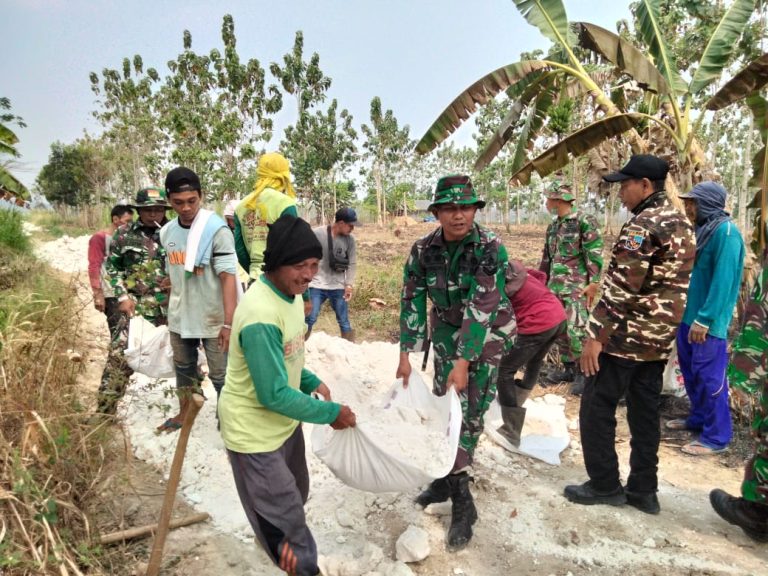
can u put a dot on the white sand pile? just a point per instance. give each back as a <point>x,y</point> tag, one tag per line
<point>66,254</point>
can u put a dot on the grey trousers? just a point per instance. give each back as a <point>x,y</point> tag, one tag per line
<point>273,488</point>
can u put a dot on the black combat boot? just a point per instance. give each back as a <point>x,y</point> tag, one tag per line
<point>564,375</point>
<point>463,511</point>
<point>751,517</point>
<point>437,491</point>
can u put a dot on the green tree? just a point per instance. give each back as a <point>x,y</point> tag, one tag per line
<point>65,177</point>
<point>321,143</point>
<point>8,151</point>
<point>386,145</point>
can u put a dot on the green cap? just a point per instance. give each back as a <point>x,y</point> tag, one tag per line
<point>455,189</point>
<point>150,197</point>
<point>559,190</point>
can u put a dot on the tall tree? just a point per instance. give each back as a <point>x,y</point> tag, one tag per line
<point>321,143</point>
<point>386,145</point>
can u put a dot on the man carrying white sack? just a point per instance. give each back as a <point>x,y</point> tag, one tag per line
<point>267,396</point>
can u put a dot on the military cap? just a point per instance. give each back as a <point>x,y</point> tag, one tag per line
<point>455,189</point>
<point>150,197</point>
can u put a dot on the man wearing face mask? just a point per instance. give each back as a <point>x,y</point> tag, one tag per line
<point>701,340</point>
<point>572,260</point>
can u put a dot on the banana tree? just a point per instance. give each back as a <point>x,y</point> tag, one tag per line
<point>656,74</point>
<point>8,181</point>
<point>747,85</point>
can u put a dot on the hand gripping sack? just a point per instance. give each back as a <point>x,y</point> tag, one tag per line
<point>383,457</point>
<point>149,349</point>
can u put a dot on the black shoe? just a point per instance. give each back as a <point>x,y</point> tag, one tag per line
<point>577,386</point>
<point>567,374</point>
<point>585,494</point>
<point>749,516</point>
<point>437,491</point>
<point>463,511</point>
<point>646,502</point>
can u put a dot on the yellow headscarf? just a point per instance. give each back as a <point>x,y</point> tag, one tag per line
<point>273,172</point>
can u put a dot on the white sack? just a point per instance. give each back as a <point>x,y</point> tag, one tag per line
<point>357,456</point>
<point>149,349</point>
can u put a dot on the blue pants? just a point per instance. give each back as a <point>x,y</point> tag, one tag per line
<point>339,305</point>
<point>703,367</point>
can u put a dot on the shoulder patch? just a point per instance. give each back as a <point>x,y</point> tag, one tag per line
<point>634,240</point>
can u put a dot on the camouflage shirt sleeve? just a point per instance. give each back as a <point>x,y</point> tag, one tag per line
<point>592,246</point>
<point>546,259</point>
<point>413,304</point>
<point>483,300</point>
<point>114,266</point>
<point>748,368</point>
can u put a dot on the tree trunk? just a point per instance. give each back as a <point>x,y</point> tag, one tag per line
<point>508,189</point>
<point>379,195</point>
<point>743,199</point>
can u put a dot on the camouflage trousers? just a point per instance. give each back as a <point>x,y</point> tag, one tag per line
<point>480,391</point>
<point>755,485</point>
<point>570,341</point>
<point>114,379</point>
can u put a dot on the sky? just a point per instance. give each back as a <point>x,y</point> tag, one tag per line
<point>416,55</point>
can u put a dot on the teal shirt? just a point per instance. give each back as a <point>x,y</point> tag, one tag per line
<point>715,281</point>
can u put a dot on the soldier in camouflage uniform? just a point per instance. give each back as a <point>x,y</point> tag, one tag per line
<point>136,269</point>
<point>748,372</point>
<point>629,338</point>
<point>572,260</point>
<point>460,268</point>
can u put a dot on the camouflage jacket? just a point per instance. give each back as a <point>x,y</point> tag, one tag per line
<point>645,287</point>
<point>748,369</point>
<point>136,266</point>
<point>573,253</point>
<point>466,287</point>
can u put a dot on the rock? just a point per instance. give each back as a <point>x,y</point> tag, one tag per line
<point>344,518</point>
<point>649,543</point>
<point>439,509</point>
<point>412,545</point>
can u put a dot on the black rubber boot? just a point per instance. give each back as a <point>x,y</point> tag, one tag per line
<point>577,386</point>
<point>567,374</point>
<point>463,511</point>
<point>438,491</point>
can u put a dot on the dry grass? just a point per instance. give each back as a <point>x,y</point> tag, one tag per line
<point>52,459</point>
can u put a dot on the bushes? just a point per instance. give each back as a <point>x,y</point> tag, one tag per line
<point>12,231</point>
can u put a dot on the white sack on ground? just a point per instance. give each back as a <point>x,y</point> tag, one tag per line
<point>407,439</point>
<point>545,432</point>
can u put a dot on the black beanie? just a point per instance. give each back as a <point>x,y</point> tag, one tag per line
<point>290,240</point>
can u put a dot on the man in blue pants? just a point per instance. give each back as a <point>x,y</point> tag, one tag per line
<point>701,339</point>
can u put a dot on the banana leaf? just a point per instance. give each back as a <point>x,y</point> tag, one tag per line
<point>751,79</point>
<point>9,182</point>
<point>721,44</point>
<point>476,95</point>
<point>623,55</point>
<point>575,145</point>
<point>7,140</point>
<point>536,118</point>
<point>549,17</point>
<point>505,131</point>
<point>647,13</point>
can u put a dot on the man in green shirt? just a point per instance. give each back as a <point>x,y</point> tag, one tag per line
<point>267,396</point>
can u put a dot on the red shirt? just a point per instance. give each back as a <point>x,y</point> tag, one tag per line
<point>536,308</point>
<point>97,253</point>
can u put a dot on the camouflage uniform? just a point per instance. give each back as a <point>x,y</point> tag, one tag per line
<point>646,285</point>
<point>135,268</point>
<point>572,259</point>
<point>471,317</point>
<point>748,371</point>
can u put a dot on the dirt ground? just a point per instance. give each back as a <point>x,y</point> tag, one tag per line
<point>525,526</point>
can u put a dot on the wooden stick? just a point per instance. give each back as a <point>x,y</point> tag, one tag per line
<point>193,407</point>
<point>151,529</point>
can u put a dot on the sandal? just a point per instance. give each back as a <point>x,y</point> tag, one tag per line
<point>697,448</point>
<point>169,425</point>
<point>677,424</point>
